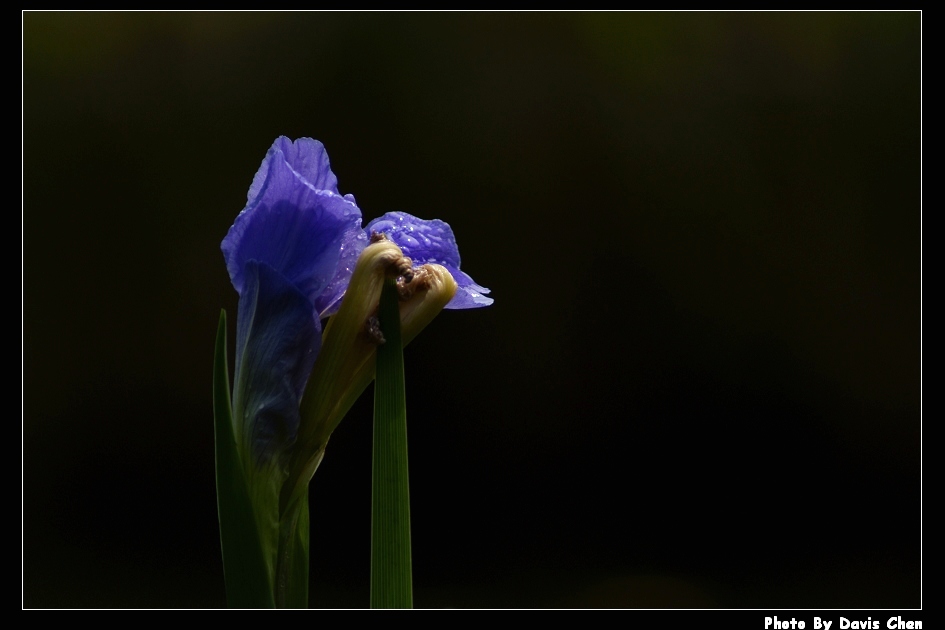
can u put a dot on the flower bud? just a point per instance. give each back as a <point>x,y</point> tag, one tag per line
<point>345,365</point>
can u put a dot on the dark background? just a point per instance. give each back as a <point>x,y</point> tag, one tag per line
<point>699,384</point>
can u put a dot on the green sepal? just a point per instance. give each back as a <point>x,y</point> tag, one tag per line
<point>244,565</point>
<point>391,564</point>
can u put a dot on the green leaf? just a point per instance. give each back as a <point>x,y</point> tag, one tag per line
<point>244,566</point>
<point>391,565</point>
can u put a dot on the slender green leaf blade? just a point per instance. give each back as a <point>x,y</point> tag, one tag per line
<point>244,567</point>
<point>391,565</point>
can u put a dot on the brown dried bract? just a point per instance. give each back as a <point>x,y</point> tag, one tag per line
<point>372,330</point>
<point>401,268</point>
<point>419,280</point>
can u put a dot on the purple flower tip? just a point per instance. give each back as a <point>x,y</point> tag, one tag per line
<point>297,222</point>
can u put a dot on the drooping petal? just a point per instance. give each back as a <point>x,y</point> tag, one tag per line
<point>431,241</point>
<point>291,224</point>
<point>277,340</point>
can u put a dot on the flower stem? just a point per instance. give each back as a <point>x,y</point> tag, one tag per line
<point>245,567</point>
<point>391,566</point>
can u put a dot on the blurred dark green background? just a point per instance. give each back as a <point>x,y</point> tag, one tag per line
<point>699,384</point>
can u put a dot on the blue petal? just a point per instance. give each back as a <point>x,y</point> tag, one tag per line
<point>354,242</point>
<point>308,159</point>
<point>277,340</point>
<point>431,242</point>
<point>292,225</point>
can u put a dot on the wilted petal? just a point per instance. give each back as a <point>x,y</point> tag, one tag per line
<point>431,241</point>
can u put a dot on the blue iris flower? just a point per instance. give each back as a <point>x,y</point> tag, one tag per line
<point>290,254</point>
<point>294,255</point>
